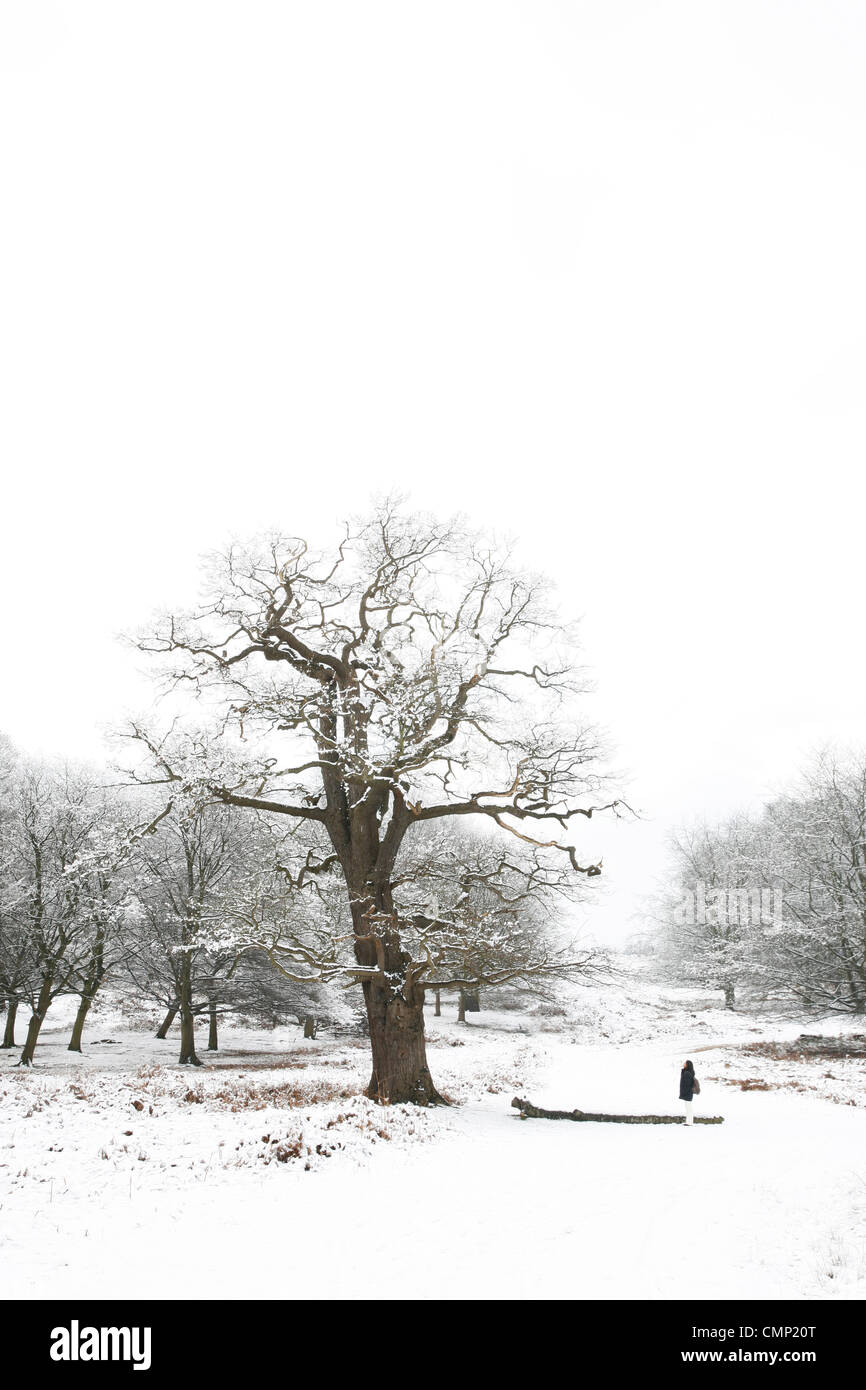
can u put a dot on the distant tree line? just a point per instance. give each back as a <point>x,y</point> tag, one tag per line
<point>201,914</point>
<point>773,905</point>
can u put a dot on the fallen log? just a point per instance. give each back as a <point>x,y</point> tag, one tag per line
<point>528,1111</point>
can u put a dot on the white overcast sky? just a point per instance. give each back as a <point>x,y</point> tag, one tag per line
<point>592,273</point>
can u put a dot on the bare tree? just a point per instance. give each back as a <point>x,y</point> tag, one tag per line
<point>817,849</point>
<point>182,874</point>
<point>71,845</point>
<point>378,689</point>
<point>711,913</point>
<point>263,992</point>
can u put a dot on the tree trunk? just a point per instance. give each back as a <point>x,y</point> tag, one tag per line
<point>535,1112</point>
<point>95,976</point>
<point>729,996</point>
<point>188,1056</point>
<point>212,1039</point>
<point>470,1001</point>
<point>400,1071</point>
<point>461,1006</point>
<point>78,1025</point>
<point>309,1026</point>
<point>162,1030</point>
<point>393,996</point>
<point>9,1030</point>
<point>437,1012</point>
<point>37,1018</point>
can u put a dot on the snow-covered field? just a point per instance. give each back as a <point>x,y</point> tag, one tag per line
<point>267,1175</point>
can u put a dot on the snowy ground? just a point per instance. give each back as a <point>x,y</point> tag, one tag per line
<point>267,1175</point>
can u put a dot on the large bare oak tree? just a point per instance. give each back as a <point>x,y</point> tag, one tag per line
<point>410,675</point>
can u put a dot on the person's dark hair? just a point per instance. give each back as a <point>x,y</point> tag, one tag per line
<point>688,1067</point>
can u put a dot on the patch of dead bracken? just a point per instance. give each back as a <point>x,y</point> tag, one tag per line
<point>809,1047</point>
<point>286,1095</point>
<point>786,1083</point>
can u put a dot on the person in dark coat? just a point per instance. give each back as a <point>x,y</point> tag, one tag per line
<point>687,1089</point>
